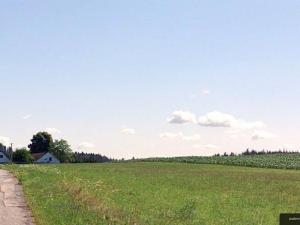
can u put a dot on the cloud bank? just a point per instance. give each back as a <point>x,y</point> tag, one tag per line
<point>214,119</point>
<point>219,119</point>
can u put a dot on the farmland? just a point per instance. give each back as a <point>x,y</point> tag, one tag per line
<point>157,193</point>
<point>276,161</point>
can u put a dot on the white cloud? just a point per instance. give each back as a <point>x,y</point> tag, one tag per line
<point>26,117</point>
<point>257,135</point>
<point>5,140</point>
<point>206,92</point>
<point>218,119</point>
<point>180,136</point>
<point>181,117</point>
<point>128,131</point>
<point>52,130</point>
<point>86,146</point>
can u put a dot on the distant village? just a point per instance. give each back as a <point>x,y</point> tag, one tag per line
<point>43,150</point>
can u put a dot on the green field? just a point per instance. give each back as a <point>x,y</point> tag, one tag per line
<point>158,194</point>
<point>276,161</point>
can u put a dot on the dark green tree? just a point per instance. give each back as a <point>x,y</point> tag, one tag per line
<point>62,150</point>
<point>22,155</point>
<point>41,142</point>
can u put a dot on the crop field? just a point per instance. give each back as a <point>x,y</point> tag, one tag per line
<point>157,193</point>
<point>276,161</point>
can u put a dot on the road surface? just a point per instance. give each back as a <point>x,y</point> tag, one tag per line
<point>13,209</point>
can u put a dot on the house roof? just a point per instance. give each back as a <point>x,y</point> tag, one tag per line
<point>37,156</point>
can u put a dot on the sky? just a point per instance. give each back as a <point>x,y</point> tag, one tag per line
<point>151,78</point>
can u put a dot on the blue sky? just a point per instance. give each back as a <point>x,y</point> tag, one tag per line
<point>109,76</point>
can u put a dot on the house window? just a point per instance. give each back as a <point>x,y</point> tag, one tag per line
<point>50,159</point>
<point>1,156</point>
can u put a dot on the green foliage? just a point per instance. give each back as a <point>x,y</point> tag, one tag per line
<point>157,194</point>
<point>22,155</point>
<point>276,161</point>
<point>81,157</point>
<point>41,142</point>
<point>62,150</point>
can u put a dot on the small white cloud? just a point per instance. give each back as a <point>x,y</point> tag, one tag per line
<point>257,135</point>
<point>5,140</point>
<point>180,136</point>
<point>128,131</point>
<point>181,117</point>
<point>86,146</point>
<point>52,131</point>
<point>218,119</point>
<point>26,117</point>
<point>206,92</point>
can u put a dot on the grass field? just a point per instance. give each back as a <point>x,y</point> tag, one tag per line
<point>158,194</point>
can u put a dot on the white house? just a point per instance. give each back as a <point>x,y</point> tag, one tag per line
<point>44,157</point>
<point>4,158</point>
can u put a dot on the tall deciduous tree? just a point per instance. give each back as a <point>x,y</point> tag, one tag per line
<point>41,142</point>
<point>22,156</point>
<point>62,150</point>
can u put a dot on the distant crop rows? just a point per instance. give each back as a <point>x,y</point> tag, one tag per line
<point>278,161</point>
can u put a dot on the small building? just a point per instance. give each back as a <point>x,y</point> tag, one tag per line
<point>4,158</point>
<point>44,157</point>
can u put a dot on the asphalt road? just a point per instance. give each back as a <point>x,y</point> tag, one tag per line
<point>13,208</point>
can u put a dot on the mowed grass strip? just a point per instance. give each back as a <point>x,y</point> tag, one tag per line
<point>158,193</point>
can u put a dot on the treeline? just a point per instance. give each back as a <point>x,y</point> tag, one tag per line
<point>81,157</point>
<point>249,152</point>
<point>42,142</point>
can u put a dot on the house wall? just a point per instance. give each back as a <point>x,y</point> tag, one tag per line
<point>3,158</point>
<point>46,159</point>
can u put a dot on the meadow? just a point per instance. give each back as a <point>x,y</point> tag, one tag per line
<point>155,193</point>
